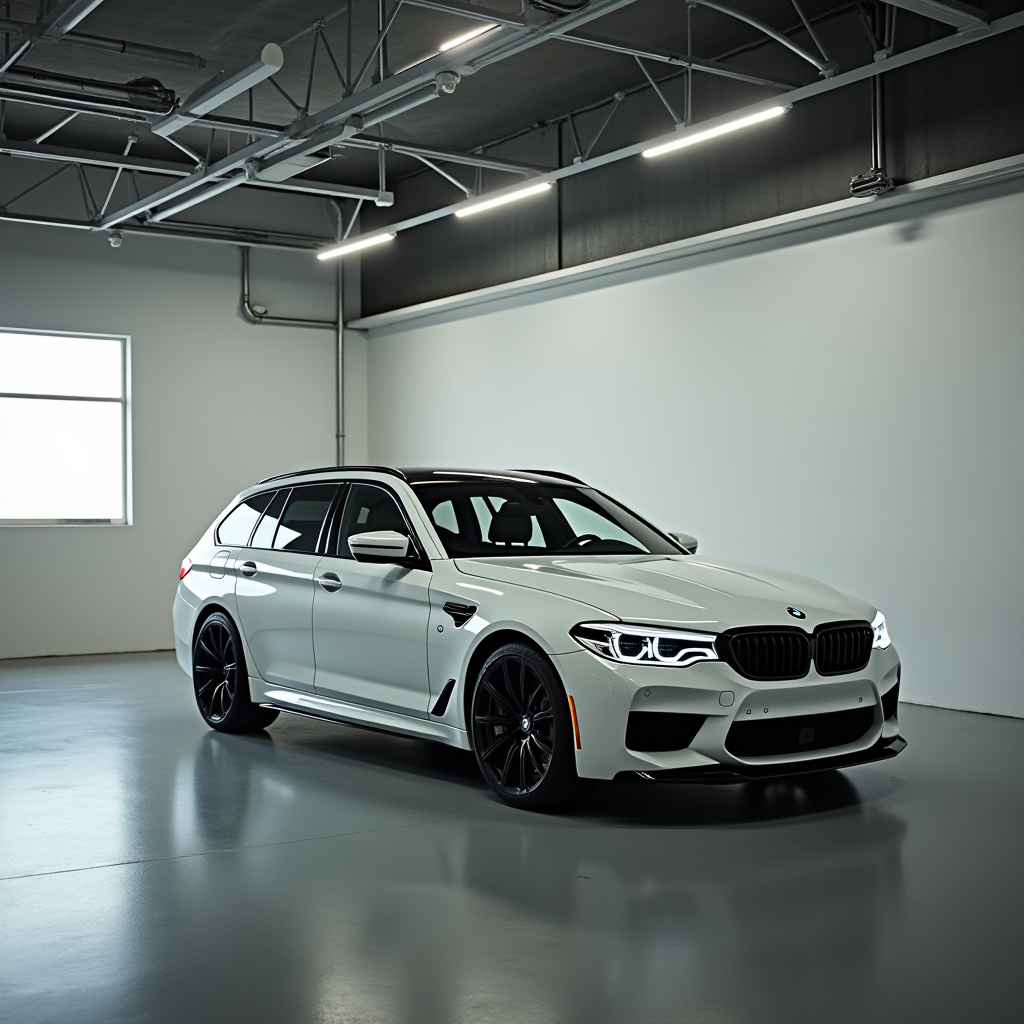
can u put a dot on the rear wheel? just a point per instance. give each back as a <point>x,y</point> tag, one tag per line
<point>221,680</point>
<point>522,733</point>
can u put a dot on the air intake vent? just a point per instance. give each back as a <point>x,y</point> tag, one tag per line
<point>890,700</point>
<point>792,735</point>
<point>460,613</point>
<point>778,653</point>
<point>661,730</point>
<point>842,647</point>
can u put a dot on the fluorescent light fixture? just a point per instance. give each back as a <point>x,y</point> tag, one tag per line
<point>711,133</point>
<point>229,83</point>
<point>359,243</point>
<point>459,40</point>
<point>510,197</point>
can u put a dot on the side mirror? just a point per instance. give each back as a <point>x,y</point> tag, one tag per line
<point>685,540</point>
<point>379,546</point>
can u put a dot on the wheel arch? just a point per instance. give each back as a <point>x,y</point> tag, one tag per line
<point>483,650</point>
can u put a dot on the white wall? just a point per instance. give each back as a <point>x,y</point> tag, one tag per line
<point>849,407</point>
<point>216,405</point>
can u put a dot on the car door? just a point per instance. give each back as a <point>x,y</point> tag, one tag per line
<point>274,588</point>
<point>370,620</point>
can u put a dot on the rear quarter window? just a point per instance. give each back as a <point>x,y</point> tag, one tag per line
<point>236,527</point>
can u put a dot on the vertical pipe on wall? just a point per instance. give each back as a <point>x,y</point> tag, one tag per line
<point>339,367</point>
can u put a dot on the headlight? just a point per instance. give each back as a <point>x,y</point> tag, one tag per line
<point>881,638</point>
<point>645,645</point>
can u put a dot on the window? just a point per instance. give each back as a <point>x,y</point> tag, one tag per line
<point>508,519</point>
<point>304,516</point>
<point>264,535</point>
<point>236,528</point>
<point>367,509</point>
<point>64,429</point>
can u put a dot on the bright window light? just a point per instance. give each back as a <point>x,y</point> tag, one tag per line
<point>459,40</point>
<point>711,133</point>
<point>63,429</point>
<point>510,197</point>
<point>359,243</point>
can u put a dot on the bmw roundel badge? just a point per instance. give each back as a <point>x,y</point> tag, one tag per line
<point>796,613</point>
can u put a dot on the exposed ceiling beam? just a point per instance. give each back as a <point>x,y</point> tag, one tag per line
<point>114,161</point>
<point>961,16</point>
<point>712,67</point>
<point>471,11</point>
<point>821,64</point>
<point>190,231</point>
<point>92,158</point>
<point>449,155</point>
<point>342,120</point>
<point>952,42</point>
<point>326,188</point>
<point>61,20</point>
<point>115,45</point>
<point>231,82</point>
<point>66,15</point>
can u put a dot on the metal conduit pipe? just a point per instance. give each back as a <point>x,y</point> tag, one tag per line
<point>251,315</point>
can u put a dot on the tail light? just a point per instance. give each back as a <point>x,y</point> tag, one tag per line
<point>186,567</point>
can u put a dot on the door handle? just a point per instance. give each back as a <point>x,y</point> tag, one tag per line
<point>330,582</point>
<point>248,568</point>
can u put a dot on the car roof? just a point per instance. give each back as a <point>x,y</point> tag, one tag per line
<point>432,475</point>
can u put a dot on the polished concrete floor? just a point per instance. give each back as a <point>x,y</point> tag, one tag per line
<point>152,870</point>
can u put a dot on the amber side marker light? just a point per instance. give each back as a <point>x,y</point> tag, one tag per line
<point>575,723</point>
<point>186,568</point>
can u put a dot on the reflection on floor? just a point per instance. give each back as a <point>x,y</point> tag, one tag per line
<point>152,870</point>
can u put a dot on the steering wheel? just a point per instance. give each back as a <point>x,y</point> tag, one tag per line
<point>578,542</point>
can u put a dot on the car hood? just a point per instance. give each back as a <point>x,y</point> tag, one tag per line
<point>676,589</point>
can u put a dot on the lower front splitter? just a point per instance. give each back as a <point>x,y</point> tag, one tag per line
<point>711,774</point>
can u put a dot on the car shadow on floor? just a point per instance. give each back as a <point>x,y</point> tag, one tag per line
<point>621,804</point>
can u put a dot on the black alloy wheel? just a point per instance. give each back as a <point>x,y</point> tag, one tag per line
<point>221,680</point>
<point>522,733</point>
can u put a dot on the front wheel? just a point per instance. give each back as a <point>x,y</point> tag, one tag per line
<point>522,733</point>
<point>221,681</point>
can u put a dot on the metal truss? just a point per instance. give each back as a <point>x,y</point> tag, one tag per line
<point>273,155</point>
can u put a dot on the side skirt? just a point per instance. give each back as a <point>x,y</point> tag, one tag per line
<point>328,709</point>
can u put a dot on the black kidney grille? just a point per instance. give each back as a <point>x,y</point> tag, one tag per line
<point>842,648</point>
<point>799,732</point>
<point>661,730</point>
<point>770,653</point>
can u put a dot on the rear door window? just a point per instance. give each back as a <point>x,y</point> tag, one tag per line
<point>236,529</point>
<point>304,517</point>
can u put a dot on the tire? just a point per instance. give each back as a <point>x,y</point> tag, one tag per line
<point>221,681</point>
<point>522,733</point>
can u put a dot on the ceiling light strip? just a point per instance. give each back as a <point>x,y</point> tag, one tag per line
<point>465,37</point>
<point>689,137</point>
<point>508,197</point>
<point>359,243</point>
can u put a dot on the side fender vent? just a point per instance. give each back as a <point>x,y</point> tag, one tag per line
<point>460,613</point>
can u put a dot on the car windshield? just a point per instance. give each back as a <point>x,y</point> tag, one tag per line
<point>490,517</point>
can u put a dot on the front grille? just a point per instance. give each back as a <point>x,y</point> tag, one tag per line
<point>661,730</point>
<point>889,701</point>
<point>798,733</point>
<point>842,647</point>
<point>781,653</point>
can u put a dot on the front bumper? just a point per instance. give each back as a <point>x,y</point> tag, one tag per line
<point>715,775</point>
<point>605,693</point>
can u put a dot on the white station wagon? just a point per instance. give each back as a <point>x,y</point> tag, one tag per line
<point>533,620</point>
